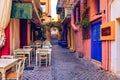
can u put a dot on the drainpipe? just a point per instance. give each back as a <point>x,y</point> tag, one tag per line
<point>75,28</point>
<point>109,42</point>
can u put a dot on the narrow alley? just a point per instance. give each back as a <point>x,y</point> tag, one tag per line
<point>59,39</point>
<point>65,66</point>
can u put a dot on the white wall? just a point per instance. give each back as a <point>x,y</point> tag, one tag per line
<point>115,9</point>
<point>115,45</point>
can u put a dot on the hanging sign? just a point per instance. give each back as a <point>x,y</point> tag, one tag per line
<point>107,31</point>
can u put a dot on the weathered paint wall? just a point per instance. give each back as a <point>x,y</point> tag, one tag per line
<point>14,34</point>
<point>115,45</point>
<point>87,48</point>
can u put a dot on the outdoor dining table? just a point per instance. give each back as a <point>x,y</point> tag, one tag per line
<point>24,51</point>
<point>6,64</point>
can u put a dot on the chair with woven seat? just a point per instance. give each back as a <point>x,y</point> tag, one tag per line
<point>43,57</point>
<point>45,54</point>
<point>20,54</point>
<point>22,57</point>
<point>16,75</point>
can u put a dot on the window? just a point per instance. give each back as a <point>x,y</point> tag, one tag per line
<point>43,6</point>
<point>74,15</point>
<point>78,14</point>
<point>98,2</point>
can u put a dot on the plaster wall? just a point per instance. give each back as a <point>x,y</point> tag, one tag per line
<point>115,45</point>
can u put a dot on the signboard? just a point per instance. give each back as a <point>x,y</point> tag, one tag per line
<point>21,10</point>
<point>107,31</point>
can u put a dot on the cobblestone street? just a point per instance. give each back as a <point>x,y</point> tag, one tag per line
<point>66,67</point>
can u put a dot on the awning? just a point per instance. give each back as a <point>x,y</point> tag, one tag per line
<point>21,10</point>
<point>35,6</point>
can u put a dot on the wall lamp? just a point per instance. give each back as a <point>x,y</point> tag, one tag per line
<point>100,12</point>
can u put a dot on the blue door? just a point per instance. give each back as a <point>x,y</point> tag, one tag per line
<point>96,44</point>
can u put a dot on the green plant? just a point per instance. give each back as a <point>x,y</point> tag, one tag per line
<point>40,12</point>
<point>84,22</point>
<point>49,25</point>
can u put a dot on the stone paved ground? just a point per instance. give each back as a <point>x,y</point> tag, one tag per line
<point>66,67</point>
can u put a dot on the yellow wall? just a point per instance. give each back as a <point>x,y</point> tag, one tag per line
<point>72,42</point>
<point>48,10</point>
<point>69,38</point>
<point>14,34</point>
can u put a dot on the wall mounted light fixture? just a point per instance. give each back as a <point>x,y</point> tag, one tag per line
<point>100,12</point>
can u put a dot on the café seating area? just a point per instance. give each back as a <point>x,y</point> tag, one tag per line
<point>12,66</point>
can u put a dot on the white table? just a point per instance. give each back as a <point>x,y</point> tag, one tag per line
<point>39,50</point>
<point>6,64</point>
<point>27,51</point>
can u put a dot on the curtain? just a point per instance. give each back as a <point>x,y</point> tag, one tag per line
<point>5,12</point>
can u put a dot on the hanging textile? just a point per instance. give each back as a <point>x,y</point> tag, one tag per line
<point>5,12</point>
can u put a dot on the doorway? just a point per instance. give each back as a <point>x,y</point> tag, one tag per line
<point>96,44</point>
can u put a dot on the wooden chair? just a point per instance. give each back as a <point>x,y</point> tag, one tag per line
<point>17,75</point>
<point>22,57</point>
<point>43,57</point>
<point>7,57</point>
<point>45,54</point>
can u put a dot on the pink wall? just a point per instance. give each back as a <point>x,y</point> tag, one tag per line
<point>105,18</point>
<point>6,49</point>
<point>84,45</point>
<point>106,44</point>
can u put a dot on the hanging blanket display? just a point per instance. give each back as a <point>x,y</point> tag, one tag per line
<point>5,11</point>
